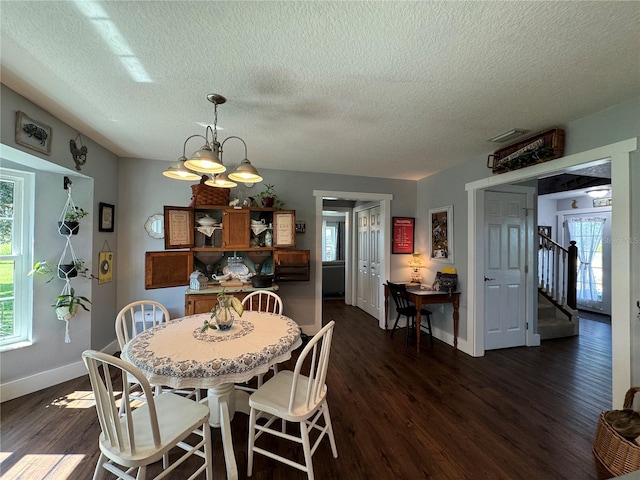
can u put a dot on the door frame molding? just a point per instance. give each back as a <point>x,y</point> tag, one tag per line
<point>621,312</point>
<point>385,211</point>
<point>530,310</point>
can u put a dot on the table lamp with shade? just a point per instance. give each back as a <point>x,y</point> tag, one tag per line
<point>416,263</point>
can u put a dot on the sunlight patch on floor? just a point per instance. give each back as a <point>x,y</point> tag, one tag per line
<point>60,467</point>
<point>77,399</point>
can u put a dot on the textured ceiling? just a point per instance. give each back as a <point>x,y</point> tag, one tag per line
<point>385,89</point>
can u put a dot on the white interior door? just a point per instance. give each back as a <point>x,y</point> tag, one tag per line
<point>370,250</point>
<point>504,275</point>
<point>375,260</point>
<point>363,260</point>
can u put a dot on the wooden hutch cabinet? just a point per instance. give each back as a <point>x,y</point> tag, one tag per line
<point>260,234</point>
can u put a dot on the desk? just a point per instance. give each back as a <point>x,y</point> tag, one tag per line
<point>427,297</point>
<point>178,355</point>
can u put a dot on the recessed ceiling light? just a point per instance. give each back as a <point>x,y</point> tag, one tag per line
<point>598,192</point>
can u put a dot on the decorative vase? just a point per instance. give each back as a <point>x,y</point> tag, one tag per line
<point>224,313</point>
<point>267,202</point>
<point>68,228</point>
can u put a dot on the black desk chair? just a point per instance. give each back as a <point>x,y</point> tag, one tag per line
<point>408,309</point>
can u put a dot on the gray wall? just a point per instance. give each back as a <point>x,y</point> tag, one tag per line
<point>88,330</point>
<point>614,124</point>
<point>143,191</point>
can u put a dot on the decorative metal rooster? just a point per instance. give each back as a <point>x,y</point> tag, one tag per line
<point>79,154</point>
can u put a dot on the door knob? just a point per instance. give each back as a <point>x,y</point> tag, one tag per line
<point>488,279</point>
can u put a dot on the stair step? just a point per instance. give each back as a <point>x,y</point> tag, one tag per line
<point>555,327</point>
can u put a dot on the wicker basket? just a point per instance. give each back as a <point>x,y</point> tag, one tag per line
<point>205,195</point>
<point>614,454</point>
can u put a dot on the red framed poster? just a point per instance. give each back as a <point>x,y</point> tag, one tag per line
<point>403,234</point>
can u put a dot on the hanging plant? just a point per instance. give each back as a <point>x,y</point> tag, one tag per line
<point>67,304</point>
<point>67,270</point>
<point>69,223</point>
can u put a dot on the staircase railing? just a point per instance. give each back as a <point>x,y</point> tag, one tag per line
<point>557,271</point>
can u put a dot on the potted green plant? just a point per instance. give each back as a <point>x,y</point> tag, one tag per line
<point>270,198</point>
<point>67,304</point>
<point>71,223</point>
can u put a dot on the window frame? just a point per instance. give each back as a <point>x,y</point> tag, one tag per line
<point>22,255</point>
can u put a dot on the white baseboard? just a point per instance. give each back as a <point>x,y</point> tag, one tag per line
<point>33,383</point>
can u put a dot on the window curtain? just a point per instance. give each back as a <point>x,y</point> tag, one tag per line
<point>587,233</point>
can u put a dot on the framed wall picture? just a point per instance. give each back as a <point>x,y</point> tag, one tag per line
<point>106,217</point>
<point>105,265</point>
<point>33,134</point>
<point>441,234</point>
<point>403,234</point>
<point>178,228</point>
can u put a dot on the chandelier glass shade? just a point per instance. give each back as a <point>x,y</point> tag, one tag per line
<point>178,171</point>
<point>207,159</point>
<point>220,180</point>
<point>246,173</point>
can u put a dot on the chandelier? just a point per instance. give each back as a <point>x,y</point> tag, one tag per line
<point>208,159</point>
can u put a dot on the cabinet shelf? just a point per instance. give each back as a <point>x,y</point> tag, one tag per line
<point>226,249</point>
<point>227,207</point>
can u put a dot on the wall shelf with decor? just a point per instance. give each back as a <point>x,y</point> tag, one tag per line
<point>214,234</point>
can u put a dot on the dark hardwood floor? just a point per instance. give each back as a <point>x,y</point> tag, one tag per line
<point>521,413</point>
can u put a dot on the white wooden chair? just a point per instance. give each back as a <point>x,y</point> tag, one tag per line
<point>263,301</point>
<point>143,435</point>
<point>294,397</point>
<point>137,317</point>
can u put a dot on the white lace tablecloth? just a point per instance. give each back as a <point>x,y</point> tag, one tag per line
<point>178,355</point>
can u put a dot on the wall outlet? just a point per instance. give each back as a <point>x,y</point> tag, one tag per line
<point>441,308</point>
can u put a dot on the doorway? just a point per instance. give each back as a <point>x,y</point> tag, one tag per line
<point>619,156</point>
<point>383,201</point>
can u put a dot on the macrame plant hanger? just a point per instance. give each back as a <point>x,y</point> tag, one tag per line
<point>68,251</point>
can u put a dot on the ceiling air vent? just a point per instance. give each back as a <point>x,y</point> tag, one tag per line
<point>508,135</point>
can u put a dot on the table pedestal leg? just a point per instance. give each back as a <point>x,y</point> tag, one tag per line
<point>224,400</point>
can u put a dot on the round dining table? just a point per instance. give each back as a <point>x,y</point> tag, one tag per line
<point>178,354</point>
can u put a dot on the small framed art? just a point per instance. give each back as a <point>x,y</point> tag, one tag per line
<point>33,134</point>
<point>106,217</point>
<point>441,234</point>
<point>403,234</point>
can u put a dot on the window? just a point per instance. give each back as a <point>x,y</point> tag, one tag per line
<point>329,241</point>
<point>15,256</point>
<point>587,233</point>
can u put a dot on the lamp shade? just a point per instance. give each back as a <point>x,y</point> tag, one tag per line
<point>178,171</point>
<point>221,181</point>
<point>205,160</point>
<point>245,173</point>
<point>415,261</point>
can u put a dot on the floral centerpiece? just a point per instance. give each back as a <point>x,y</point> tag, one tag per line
<point>223,313</point>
